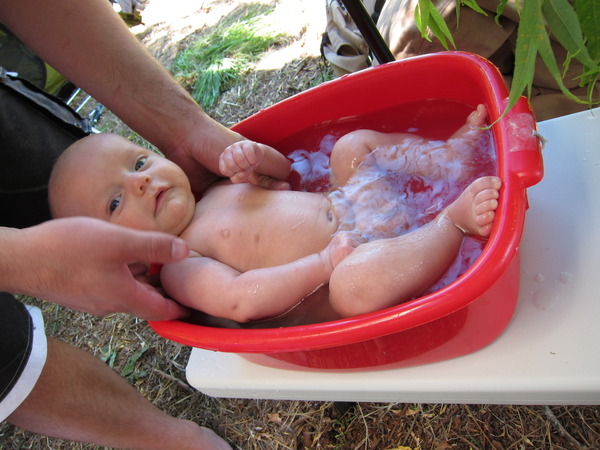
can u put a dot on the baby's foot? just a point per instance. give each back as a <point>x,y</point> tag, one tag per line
<point>474,210</point>
<point>477,118</point>
<point>471,130</point>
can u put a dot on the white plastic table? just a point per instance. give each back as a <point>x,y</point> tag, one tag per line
<point>549,353</point>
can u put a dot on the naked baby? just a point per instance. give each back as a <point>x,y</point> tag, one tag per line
<point>257,253</point>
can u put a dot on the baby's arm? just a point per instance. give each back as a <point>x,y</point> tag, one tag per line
<point>220,290</point>
<point>251,162</point>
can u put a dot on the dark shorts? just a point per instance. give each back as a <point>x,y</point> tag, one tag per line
<point>16,340</point>
<point>22,352</point>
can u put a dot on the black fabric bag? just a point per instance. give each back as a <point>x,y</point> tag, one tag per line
<point>35,128</point>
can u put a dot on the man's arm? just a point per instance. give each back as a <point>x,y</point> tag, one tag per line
<point>89,43</point>
<point>83,264</point>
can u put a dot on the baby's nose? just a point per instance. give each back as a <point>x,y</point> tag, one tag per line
<point>140,182</point>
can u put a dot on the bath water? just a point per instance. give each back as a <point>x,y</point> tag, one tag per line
<point>393,198</point>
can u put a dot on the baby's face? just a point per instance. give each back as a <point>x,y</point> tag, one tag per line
<point>115,180</point>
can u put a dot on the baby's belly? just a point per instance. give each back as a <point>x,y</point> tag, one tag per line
<point>273,229</point>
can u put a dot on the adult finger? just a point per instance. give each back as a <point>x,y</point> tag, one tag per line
<point>149,304</point>
<point>153,247</point>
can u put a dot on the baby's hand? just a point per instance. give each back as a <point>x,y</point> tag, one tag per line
<point>239,160</point>
<point>341,245</point>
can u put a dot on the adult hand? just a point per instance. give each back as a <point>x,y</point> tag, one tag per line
<point>82,263</point>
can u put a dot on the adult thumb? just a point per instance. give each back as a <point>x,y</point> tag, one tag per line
<point>155,247</point>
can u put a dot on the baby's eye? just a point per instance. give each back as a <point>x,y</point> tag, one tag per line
<point>114,204</point>
<point>140,163</point>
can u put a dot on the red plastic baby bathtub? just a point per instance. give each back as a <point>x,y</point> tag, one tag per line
<point>434,94</point>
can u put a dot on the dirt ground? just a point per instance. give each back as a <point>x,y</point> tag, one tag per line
<point>156,367</point>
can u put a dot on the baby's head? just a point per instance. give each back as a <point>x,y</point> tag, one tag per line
<point>108,177</point>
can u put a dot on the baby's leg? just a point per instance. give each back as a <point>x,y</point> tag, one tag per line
<point>473,212</point>
<point>475,121</point>
<point>409,153</point>
<point>383,273</point>
<point>459,158</point>
<point>347,154</point>
<point>353,148</point>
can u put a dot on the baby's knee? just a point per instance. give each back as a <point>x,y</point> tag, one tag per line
<point>354,142</point>
<point>347,295</point>
<point>347,154</point>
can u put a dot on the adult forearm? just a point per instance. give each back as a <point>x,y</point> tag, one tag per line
<point>90,45</point>
<point>16,274</point>
<point>82,263</point>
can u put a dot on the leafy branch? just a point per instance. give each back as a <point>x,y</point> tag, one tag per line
<point>574,24</point>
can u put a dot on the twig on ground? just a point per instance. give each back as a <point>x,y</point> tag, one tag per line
<point>177,381</point>
<point>561,430</point>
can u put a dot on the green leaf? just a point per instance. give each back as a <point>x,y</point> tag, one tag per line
<point>500,10</point>
<point>428,17</point>
<point>130,365</point>
<point>439,27</point>
<point>545,50</point>
<point>526,50</point>
<point>590,90</point>
<point>422,19</point>
<point>564,24</point>
<point>588,12</point>
<point>474,6</point>
<point>576,29</point>
<point>109,356</point>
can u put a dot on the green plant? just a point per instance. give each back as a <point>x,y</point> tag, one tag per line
<point>214,62</point>
<point>575,25</point>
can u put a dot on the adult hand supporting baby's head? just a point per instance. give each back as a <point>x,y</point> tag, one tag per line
<point>82,263</point>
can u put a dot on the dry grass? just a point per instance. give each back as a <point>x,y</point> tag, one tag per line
<point>159,373</point>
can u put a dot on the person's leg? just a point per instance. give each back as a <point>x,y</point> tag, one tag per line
<point>386,272</point>
<point>410,153</point>
<point>79,398</point>
<point>347,154</point>
<point>474,122</point>
<point>353,148</point>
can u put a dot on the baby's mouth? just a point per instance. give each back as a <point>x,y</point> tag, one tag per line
<point>159,198</point>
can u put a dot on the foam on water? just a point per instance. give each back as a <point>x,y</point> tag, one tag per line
<point>407,188</point>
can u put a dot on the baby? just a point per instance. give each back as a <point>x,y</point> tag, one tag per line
<point>257,253</point>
